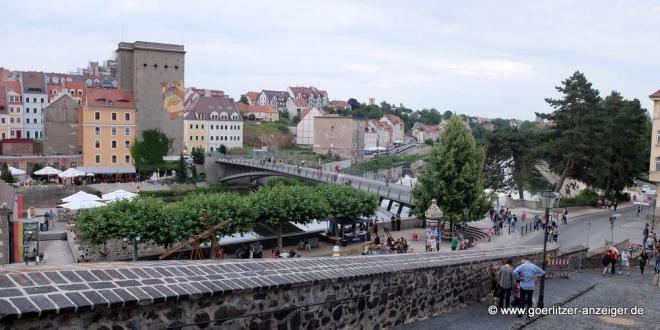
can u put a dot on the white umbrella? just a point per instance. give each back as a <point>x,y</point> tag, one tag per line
<point>77,205</point>
<point>71,173</point>
<point>47,171</point>
<point>80,196</point>
<point>15,171</point>
<point>118,194</point>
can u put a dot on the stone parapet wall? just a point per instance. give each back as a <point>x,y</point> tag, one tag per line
<point>369,292</point>
<point>113,249</point>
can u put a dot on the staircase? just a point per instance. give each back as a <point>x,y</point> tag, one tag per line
<point>472,233</point>
<point>54,236</point>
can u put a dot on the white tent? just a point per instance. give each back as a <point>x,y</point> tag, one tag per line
<point>82,204</point>
<point>71,173</point>
<point>47,171</point>
<point>118,194</point>
<point>80,196</point>
<point>16,172</point>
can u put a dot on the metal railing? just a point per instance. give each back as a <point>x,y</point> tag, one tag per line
<point>391,191</point>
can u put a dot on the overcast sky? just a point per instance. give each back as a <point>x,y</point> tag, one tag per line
<point>487,58</point>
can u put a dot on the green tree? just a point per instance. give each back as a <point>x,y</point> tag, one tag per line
<point>149,152</point>
<point>220,207</point>
<point>512,153</point>
<point>276,205</point>
<point>5,175</point>
<point>144,217</point>
<point>574,141</point>
<point>197,156</point>
<point>447,115</point>
<point>453,175</point>
<point>430,117</point>
<point>346,202</point>
<point>223,149</point>
<point>295,120</point>
<point>284,114</point>
<point>623,144</point>
<point>182,170</point>
<point>244,99</point>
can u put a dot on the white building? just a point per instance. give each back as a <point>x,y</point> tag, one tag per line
<point>305,128</point>
<point>33,120</point>
<point>397,127</point>
<point>212,121</point>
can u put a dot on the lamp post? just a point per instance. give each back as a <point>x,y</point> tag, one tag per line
<point>135,247</point>
<point>548,199</point>
<point>433,215</point>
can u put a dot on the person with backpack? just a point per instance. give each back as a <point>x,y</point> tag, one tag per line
<point>607,259</point>
<point>505,282</point>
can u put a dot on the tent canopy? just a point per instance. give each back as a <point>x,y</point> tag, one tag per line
<point>82,204</point>
<point>118,194</point>
<point>47,171</point>
<point>71,173</point>
<point>80,196</point>
<point>15,171</point>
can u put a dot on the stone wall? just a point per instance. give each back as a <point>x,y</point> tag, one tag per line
<point>368,292</point>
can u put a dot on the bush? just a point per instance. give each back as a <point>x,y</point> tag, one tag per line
<point>211,189</point>
<point>587,197</point>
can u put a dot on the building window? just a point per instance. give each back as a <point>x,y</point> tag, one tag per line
<point>97,115</point>
<point>127,116</point>
<point>3,135</point>
<point>127,131</point>
<point>97,159</point>
<point>27,120</point>
<point>657,163</point>
<point>127,159</point>
<point>11,132</point>
<point>114,131</point>
<point>42,100</point>
<point>658,138</point>
<point>114,159</point>
<point>191,138</point>
<point>196,126</point>
<point>2,120</point>
<point>27,134</point>
<point>11,120</point>
<point>18,120</point>
<point>190,126</point>
<point>97,144</point>
<point>114,144</point>
<point>196,138</point>
<point>97,131</point>
<point>127,144</point>
<point>114,116</point>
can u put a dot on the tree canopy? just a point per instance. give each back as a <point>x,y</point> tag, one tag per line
<point>148,153</point>
<point>453,175</point>
<point>277,204</point>
<point>346,202</point>
<point>5,175</point>
<point>244,99</point>
<point>197,155</point>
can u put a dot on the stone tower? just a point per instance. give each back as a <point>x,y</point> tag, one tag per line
<point>155,74</point>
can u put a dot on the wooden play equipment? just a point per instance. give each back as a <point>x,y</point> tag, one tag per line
<point>194,242</point>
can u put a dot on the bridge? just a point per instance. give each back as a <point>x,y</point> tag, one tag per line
<point>236,168</point>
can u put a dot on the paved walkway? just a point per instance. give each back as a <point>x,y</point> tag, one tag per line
<point>593,289</point>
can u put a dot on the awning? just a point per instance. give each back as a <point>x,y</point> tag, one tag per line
<point>108,170</point>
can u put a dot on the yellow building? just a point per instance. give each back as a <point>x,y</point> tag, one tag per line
<point>108,124</point>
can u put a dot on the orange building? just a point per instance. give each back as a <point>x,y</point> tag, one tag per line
<point>108,123</point>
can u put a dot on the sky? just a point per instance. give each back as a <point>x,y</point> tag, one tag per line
<point>485,58</point>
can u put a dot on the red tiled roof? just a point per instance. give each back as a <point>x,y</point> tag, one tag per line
<point>394,119</point>
<point>34,81</point>
<point>655,95</point>
<point>338,104</point>
<point>306,92</point>
<point>252,96</point>
<point>120,98</point>
<point>255,108</point>
<point>307,110</point>
<point>299,102</point>
<point>14,85</point>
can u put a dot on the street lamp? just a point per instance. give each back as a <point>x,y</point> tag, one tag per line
<point>548,199</point>
<point>135,247</point>
<point>433,215</point>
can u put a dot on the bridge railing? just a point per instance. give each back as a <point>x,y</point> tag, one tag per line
<point>390,191</point>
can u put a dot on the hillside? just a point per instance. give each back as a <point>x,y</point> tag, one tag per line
<point>270,135</point>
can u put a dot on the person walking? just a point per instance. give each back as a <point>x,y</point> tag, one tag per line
<point>625,261</point>
<point>607,259</point>
<point>490,233</point>
<point>398,222</point>
<point>454,243</point>
<point>615,258</point>
<point>523,216</point>
<point>643,259</point>
<point>639,210</point>
<point>657,259</point>
<point>645,235</point>
<point>393,223</point>
<point>615,204</point>
<point>526,272</point>
<point>505,281</point>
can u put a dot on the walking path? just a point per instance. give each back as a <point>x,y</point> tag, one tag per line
<point>587,289</point>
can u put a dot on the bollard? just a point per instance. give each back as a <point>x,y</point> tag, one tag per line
<point>509,229</point>
<point>335,251</point>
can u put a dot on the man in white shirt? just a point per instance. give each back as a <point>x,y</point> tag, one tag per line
<point>625,261</point>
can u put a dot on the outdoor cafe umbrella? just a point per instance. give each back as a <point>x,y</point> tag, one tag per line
<point>82,204</point>
<point>71,173</point>
<point>47,171</point>
<point>80,196</point>
<point>118,194</point>
<point>16,172</point>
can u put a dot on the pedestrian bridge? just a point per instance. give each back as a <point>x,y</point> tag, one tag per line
<point>236,168</point>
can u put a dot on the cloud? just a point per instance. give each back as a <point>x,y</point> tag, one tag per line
<point>366,68</point>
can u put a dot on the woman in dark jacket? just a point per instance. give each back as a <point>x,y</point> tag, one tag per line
<point>643,259</point>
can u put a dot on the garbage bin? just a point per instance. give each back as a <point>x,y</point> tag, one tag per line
<point>44,227</point>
